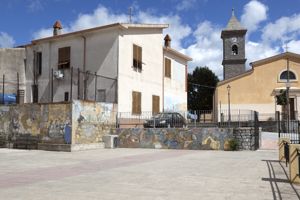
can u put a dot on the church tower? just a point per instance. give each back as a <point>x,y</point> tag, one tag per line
<point>233,37</point>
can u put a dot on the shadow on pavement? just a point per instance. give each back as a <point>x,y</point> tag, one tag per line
<point>279,181</point>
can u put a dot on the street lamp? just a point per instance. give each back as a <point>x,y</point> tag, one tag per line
<point>229,115</point>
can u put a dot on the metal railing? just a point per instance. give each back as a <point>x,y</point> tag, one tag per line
<point>195,118</point>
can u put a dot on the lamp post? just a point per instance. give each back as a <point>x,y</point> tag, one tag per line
<point>229,114</point>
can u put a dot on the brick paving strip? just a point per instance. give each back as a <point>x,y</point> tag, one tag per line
<point>11,180</point>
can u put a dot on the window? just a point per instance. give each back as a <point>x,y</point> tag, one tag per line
<point>136,102</point>
<point>234,50</point>
<point>155,104</point>
<point>137,57</point>
<point>35,93</point>
<point>101,95</point>
<point>64,57</point>
<point>66,96</point>
<point>38,63</point>
<point>167,67</point>
<point>284,76</point>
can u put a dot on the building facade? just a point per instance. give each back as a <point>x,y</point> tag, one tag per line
<point>257,88</point>
<point>117,63</point>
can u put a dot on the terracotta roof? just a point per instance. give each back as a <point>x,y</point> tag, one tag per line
<point>116,25</point>
<point>57,24</point>
<point>177,53</point>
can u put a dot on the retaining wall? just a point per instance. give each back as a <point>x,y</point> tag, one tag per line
<point>194,138</point>
<point>56,126</point>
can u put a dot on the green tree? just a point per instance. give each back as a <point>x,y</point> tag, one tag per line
<point>201,86</point>
<point>281,98</point>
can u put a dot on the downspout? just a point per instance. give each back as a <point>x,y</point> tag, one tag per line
<point>84,67</point>
<point>163,82</point>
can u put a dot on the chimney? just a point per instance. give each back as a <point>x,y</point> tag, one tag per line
<point>167,41</point>
<point>57,28</point>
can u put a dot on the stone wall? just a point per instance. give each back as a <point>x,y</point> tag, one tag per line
<point>247,138</point>
<point>173,138</point>
<point>193,139</point>
<point>50,123</point>
<point>92,120</point>
<point>56,125</point>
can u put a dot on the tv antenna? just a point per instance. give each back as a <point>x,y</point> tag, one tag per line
<point>130,14</point>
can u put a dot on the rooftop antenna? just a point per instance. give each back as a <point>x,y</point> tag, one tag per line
<point>130,14</point>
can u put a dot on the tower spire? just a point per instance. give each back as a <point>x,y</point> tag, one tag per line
<point>232,11</point>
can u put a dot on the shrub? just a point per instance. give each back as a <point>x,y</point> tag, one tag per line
<point>233,144</point>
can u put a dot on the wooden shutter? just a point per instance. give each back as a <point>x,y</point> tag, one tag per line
<point>137,57</point>
<point>136,102</point>
<point>155,104</point>
<point>38,64</point>
<point>64,57</point>
<point>167,67</point>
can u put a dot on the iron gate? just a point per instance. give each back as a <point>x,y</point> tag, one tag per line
<point>288,129</point>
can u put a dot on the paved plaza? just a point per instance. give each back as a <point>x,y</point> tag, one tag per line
<point>144,174</point>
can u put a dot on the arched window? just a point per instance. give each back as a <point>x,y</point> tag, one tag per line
<point>284,75</point>
<point>234,50</point>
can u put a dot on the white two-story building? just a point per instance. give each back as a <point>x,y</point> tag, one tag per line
<point>120,63</point>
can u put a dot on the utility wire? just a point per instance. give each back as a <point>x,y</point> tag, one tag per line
<point>206,86</point>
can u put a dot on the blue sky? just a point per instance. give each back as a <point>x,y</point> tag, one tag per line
<point>195,25</point>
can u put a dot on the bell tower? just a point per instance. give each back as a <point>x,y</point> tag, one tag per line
<point>233,37</point>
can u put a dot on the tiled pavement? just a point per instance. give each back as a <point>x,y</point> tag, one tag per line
<point>144,174</point>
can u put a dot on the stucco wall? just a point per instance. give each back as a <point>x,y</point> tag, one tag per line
<point>149,80</point>
<point>101,57</point>
<point>90,121</point>
<point>12,61</point>
<point>175,95</point>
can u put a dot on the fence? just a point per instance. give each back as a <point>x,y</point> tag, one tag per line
<point>12,89</point>
<point>84,85</point>
<point>197,118</point>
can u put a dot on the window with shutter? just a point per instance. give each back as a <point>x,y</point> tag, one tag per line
<point>167,67</point>
<point>38,63</point>
<point>137,57</point>
<point>155,104</point>
<point>64,57</point>
<point>136,102</point>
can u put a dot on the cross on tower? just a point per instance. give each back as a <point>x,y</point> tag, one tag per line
<point>286,47</point>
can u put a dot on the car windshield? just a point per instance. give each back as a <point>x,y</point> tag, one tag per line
<point>163,115</point>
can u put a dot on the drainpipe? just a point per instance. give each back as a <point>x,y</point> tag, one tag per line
<point>163,82</point>
<point>84,67</point>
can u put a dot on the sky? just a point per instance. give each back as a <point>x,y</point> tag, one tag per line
<point>194,25</point>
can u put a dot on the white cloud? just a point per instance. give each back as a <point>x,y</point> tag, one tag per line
<point>185,5</point>
<point>256,51</point>
<point>206,46</point>
<point>207,51</point>
<point>283,29</point>
<point>6,40</point>
<point>35,5</point>
<point>254,13</point>
<point>177,30</point>
<point>102,16</point>
<point>293,46</point>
